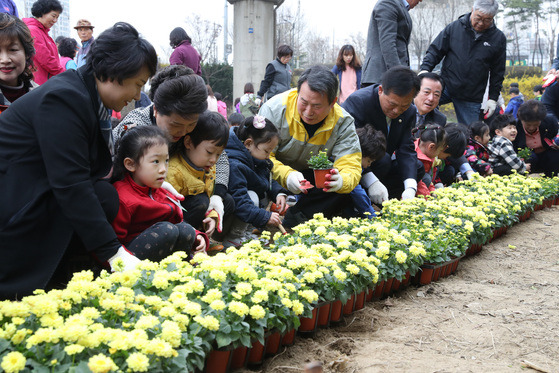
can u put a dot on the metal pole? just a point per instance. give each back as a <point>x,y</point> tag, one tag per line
<point>225,34</point>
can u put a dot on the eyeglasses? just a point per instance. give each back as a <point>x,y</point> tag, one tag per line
<point>486,21</point>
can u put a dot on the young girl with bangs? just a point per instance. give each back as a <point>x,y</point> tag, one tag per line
<point>348,71</point>
<point>250,182</point>
<point>149,222</point>
<point>430,143</point>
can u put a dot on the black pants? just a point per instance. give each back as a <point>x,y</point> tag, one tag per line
<point>196,207</point>
<point>315,201</point>
<point>162,239</point>
<point>388,173</point>
<point>447,175</point>
<point>546,162</point>
<point>502,170</point>
<point>76,258</point>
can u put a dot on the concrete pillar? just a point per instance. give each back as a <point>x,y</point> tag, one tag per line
<point>253,41</point>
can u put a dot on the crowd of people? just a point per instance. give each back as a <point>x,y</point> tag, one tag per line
<point>179,172</point>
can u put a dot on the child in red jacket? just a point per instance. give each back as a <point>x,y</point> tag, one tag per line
<point>431,142</point>
<point>149,221</point>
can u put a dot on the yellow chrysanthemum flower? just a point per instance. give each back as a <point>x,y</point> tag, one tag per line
<point>13,362</point>
<point>138,362</point>
<point>101,364</point>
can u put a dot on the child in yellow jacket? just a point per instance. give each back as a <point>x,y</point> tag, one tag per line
<point>192,170</point>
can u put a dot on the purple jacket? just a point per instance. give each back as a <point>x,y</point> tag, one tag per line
<point>8,6</point>
<point>185,54</point>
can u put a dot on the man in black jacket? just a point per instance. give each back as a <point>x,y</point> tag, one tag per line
<point>474,51</point>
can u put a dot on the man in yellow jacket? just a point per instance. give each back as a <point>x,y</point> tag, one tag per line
<point>309,120</point>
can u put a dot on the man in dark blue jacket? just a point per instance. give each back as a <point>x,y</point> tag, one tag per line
<point>474,50</point>
<point>387,108</point>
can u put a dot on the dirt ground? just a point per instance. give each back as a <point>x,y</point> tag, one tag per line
<point>499,311</point>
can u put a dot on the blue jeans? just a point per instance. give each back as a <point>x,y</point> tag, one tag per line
<point>467,112</point>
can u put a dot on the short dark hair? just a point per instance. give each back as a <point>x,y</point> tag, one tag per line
<point>373,142</point>
<point>514,90</point>
<point>42,7</point>
<point>177,36</point>
<point>531,111</point>
<point>400,80</point>
<point>67,47</point>
<point>119,53</point>
<point>321,80</point>
<point>134,144</point>
<point>235,119</point>
<point>478,128</point>
<point>258,135</point>
<point>284,50</point>
<point>14,28</point>
<point>249,88</point>
<point>456,139</point>
<point>514,84</point>
<point>501,121</point>
<point>218,96</point>
<point>177,89</point>
<point>211,126</point>
<point>432,76</point>
<point>538,88</point>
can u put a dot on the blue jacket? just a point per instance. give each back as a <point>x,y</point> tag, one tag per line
<point>8,6</point>
<point>339,72</point>
<point>513,105</point>
<point>248,173</point>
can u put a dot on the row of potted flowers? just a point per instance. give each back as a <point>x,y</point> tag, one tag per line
<point>169,316</point>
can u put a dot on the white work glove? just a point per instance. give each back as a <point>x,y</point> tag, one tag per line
<point>257,101</point>
<point>468,174</point>
<point>410,188</point>
<point>377,193</point>
<point>334,181</point>
<point>294,182</point>
<point>409,193</point>
<point>171,189</point>
<point>490,109</point>
<point>216,203</point>
<point>129,261</point>
<point>439,185</point>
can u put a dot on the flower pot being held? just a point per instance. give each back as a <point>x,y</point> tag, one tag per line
<point>320,178</point>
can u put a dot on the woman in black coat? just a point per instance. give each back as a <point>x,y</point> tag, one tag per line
<point>55,155</point>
